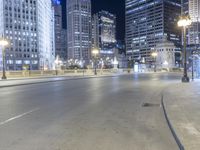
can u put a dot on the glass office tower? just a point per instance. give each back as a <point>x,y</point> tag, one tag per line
<point>194,30</point>
<point>147,23</point>
<point>79,29</point>
<point>60,33</point>
<point>104,33</point>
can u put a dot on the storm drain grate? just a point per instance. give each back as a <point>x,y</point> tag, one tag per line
<point>150,105</point>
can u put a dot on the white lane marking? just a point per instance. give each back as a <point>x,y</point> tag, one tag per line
<point>19,116</point>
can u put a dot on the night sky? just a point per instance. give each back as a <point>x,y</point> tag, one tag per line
<point>114,6</point>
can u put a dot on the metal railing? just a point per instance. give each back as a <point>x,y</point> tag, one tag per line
<point>46,73</point>
<point>76,72</point>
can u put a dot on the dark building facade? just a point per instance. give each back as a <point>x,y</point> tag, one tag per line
<point>147,23</point>
<point>104,33</point>
<point>185,7</point>
<point>60,33</point>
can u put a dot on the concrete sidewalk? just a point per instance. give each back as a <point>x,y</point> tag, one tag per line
<point>182,102</point>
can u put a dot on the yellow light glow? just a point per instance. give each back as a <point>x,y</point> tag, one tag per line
<point>95,51</point>
<point>154,54</point>
<point>184,22</point>
<point>4,43</point>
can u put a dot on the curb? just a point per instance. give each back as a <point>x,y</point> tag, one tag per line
<point>176,138</point>
<point>42,77</point>
<point>51,81</point>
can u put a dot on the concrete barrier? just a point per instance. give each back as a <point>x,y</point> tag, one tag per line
<point>44,73</point>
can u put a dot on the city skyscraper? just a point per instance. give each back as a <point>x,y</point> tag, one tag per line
<point>79,29</point>
<point>185,7</point>
<point>29,27</point>
<point>60,37</point>
<point>104,33</point>
<point>147,23</point>
<point>63,52</point>
<point>194,30</point>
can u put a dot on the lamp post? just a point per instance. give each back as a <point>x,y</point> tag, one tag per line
<point>3,44</point>
<point>184,22</point>
<point>95,52</point>
<point>192,66</point>
<point>154,55</point>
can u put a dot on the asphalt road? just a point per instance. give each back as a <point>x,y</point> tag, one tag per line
<point>87,114</point>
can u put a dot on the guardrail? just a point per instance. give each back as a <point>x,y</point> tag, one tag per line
<point>42,73</point>
<point>75,72</point>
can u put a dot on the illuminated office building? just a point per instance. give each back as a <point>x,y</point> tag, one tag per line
<point>29,27</point>
<point>104,33</point>
<point>79,29</point>
<point>194,30</point>
<point>147,23</point>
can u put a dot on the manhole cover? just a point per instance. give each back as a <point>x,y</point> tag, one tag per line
<point>150,105</point>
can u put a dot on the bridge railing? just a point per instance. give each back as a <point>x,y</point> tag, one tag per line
<point>44,73</point>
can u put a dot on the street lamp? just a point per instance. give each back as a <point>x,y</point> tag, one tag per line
<point>95,52</point>
<point>184,22</point>
<point>154,55</point>
<point>3,44</point>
